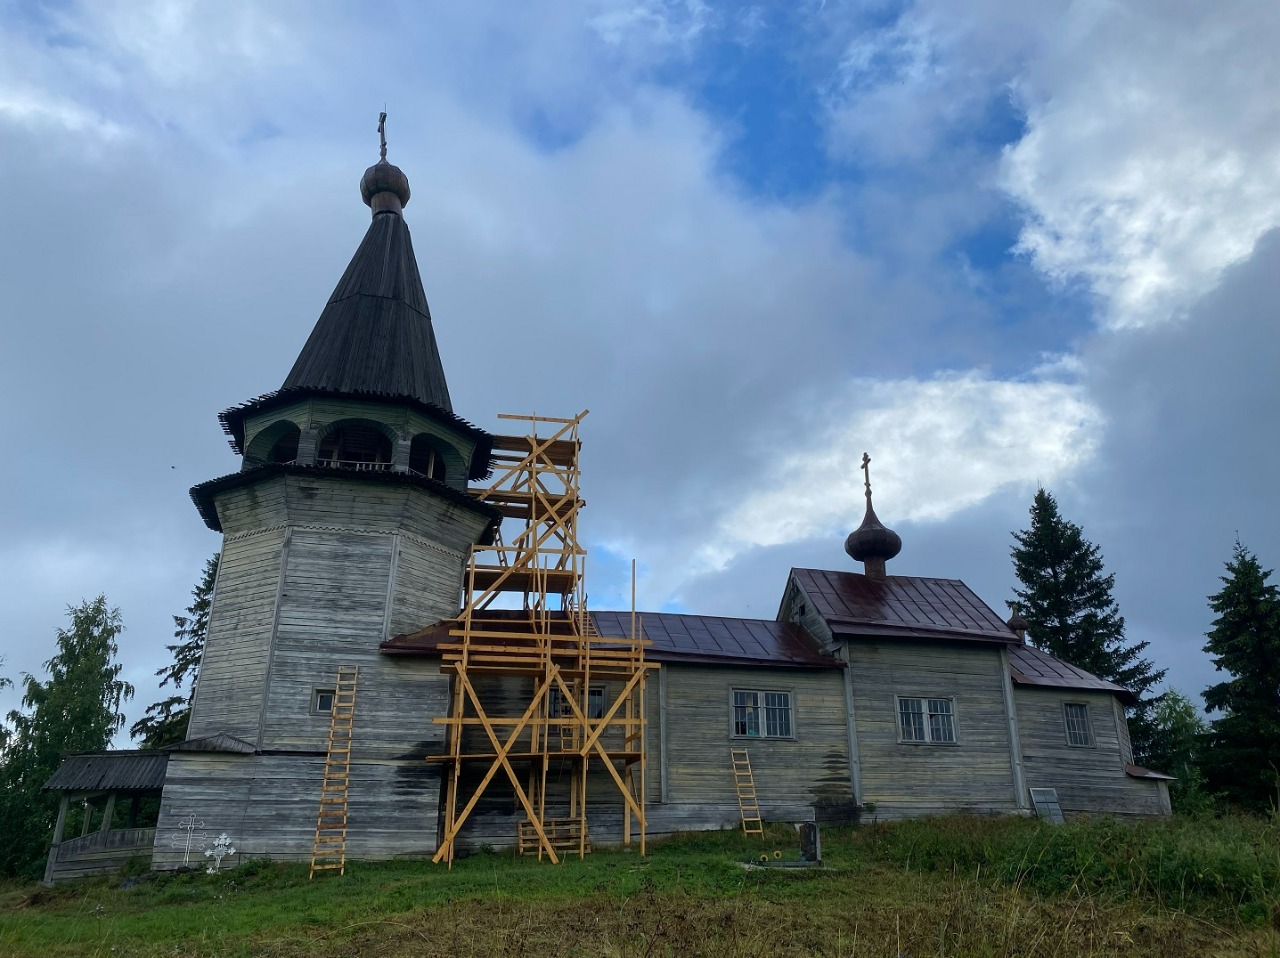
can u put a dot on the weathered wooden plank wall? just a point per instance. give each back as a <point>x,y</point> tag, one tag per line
<point>100,853</point>
<point>793,776</point>
<point>233,672</point>
<point>267,805</point>
<point>1089,780</point>
<point>904,780</point>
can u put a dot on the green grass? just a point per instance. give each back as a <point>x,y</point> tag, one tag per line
<point>954,886</point>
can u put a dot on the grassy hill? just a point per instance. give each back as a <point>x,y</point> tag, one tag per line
<point>947,886</point>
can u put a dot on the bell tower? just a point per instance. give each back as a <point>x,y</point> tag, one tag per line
<point>348,522</point>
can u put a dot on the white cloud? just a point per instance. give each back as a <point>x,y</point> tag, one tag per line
<point>652,23</point>
<point>31,108</point>
<point>938,446</point>
<point>1152,150</point>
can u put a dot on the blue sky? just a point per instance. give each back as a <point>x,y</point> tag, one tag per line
<point>995,244</point>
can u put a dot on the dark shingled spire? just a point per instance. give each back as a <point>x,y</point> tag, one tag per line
<point>375,334</point>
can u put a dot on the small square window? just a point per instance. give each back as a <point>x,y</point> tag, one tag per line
<point>930,721</point>
<point>1079,728</point>
<point>762,714</point>
<point>557,707</point>
<point>322,702</point>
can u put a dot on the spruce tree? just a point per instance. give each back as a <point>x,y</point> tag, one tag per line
<point>165,722</point>
<point>1243,762</point>
<point>1067,602</point>
<point>76,709</point>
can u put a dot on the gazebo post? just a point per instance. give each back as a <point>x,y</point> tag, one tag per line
<point>106,815</point>
<point>57,838</point>
<point>88,816</point>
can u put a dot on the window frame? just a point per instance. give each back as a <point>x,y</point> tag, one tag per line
<point>315,700</point>
<point>759,692</point>
<point>1088,725</point>
<point>924,701</point>
<point>554,696</point>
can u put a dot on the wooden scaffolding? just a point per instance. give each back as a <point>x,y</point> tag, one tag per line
<point>525,627</point>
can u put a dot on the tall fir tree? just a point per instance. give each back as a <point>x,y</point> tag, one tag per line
<point>1067,602</point>
<point>165,722</point>
<point>76,709</point>
<point>1243,761</point>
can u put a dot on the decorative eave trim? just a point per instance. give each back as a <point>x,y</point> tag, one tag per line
<point>203,494</point>
<point>232,419</point>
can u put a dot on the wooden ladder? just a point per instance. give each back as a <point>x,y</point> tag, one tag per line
<point>330,848</point>
<point>745,783</point>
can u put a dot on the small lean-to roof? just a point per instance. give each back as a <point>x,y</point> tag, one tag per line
<point>1031,666</point>
<point>854,604</point>
<point>131,770</point>
<point>672,637</point>
<point>1137,771</point>
<point>218,742</point>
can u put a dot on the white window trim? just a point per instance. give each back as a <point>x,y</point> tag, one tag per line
<point>315,701</point>
<point>1088,724</point>
<point>761,691</point>
<point>928,728</point>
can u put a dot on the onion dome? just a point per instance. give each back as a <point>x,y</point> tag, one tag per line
<point>1017,624</point>
<point>384,186</point>
<point>872,543</point>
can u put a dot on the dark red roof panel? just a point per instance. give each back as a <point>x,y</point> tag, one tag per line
<point>856,604</point>
<point>674,638</point>
<point>1030,666</point>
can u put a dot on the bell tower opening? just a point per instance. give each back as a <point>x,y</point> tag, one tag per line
<point>355,445</point>
<point>425,458</point>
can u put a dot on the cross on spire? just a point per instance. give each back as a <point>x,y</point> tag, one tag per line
<point>382,134</point>
<point>866,469</point>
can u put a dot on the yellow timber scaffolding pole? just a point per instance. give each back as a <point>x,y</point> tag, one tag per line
<point>579,696</point>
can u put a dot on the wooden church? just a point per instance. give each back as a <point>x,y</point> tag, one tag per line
<point>400,661</point>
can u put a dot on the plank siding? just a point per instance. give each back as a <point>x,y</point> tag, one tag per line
<point>100,853</point>
<point>793,776</point>
<point>428,585</point>
<point>338,563</point>
<point>233,671</point>
<point>905,780</point>
<point>1089,780</point>
<point>267,805</point>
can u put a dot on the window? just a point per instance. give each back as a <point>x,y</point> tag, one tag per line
<point>1079,728</point>
<point>322,702</point>
<point>558,707</point>
<point>931,721</point>
<point>762,714</point>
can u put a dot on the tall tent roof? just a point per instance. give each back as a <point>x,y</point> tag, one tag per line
<point>374,335</point>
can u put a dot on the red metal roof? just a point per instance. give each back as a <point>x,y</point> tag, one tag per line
<point>1031,666</point>
<point>905,606</point>
<point>706,638</point>
<point>673,638</point>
